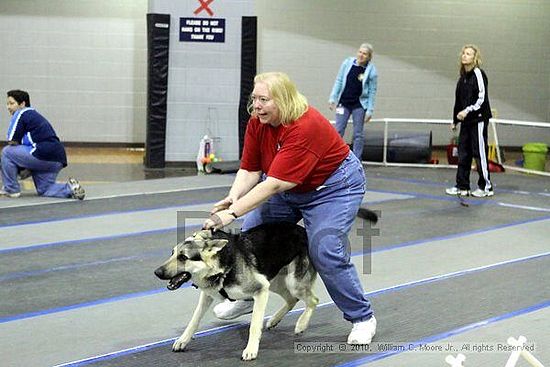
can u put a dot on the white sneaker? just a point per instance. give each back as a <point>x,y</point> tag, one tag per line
<point>77,191</point>
<point>3,192</point>
<point>479,193</point>
<point>456,191</point>
<point>229,310</point>
<point>362,332</point>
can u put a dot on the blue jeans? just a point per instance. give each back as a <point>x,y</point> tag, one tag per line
<point>44,173</point>
<point>358,118</point>
<point>328,213</point>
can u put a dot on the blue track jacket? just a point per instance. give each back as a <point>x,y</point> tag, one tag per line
<point>28,127</point>
<point>370,85</point>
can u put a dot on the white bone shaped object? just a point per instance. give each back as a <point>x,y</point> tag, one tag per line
<point>514,357</point>
<point>455,362</point>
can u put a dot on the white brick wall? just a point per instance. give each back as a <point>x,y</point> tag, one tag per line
<point>83,63</point>
<point>416,45</point>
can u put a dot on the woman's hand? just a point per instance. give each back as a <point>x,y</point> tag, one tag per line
<point>462,115</point>
<point>219,219</point>
<point>222,205</point>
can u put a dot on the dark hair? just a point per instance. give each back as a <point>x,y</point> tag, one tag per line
<point>20,96</point>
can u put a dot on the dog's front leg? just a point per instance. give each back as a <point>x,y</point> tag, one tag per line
<point>204,302</point>
<point>256,325</point>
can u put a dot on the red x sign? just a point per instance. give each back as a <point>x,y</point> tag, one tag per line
<point>204,6</point>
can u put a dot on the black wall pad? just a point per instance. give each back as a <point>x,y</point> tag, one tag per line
<point>158,39</point>
<point>403,147</point>
<point>225,167</point>
<point>249,35</point>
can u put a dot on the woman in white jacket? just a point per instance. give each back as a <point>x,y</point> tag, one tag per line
<point>354,93</point>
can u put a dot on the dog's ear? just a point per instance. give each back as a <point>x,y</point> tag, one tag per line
<point>208,254</point>
<point>215,246</point>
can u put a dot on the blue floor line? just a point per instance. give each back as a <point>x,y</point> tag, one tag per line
<point>122,235</point>
<point>103,214</point>
<point>117,212</point>
<point>83,240</point>
<point>399,287</point>
<point>451,236</point>
<point>420,182</point>
<point>69,267</point>
<point>108,237</point>
<point>442,184</point>
<point>354,254</point>
<point>445,335</point>
<point>80,305</point>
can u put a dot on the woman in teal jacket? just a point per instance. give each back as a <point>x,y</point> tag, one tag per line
<point>354,93</point>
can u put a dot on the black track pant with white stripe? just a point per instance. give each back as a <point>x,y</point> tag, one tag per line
<point>472,144</point>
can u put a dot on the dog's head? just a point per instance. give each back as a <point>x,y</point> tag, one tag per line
<point>196,258</point>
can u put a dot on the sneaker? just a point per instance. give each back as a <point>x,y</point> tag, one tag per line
<point>77,191</point>
<point>24,174</point>
<point>362,332</point>
<point>229,310</point>
<point>479,193</point>
<point>9,194</point>
<point>457,191</point>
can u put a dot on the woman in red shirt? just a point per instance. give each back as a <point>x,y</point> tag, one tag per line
<point>296,166</point>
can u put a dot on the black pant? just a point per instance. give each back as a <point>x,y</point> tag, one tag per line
<point>472,144</point>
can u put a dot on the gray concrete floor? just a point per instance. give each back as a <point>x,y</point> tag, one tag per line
<point>76,281</point>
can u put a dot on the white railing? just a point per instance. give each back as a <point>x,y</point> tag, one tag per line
<point>517,123</point>
<point>493,122</point>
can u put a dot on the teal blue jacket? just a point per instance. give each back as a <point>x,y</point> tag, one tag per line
<point>370,85</point>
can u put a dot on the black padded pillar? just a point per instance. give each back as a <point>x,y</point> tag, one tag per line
<point>249,35</point>
<point>158,38</point>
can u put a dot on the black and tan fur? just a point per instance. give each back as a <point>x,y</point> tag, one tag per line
<point>272,256</point>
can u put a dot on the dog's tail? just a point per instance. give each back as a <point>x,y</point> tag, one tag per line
<point>367,214</point>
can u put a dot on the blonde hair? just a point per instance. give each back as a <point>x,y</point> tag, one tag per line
<point>369,48</point>
<point>291,103</point>
<point>477,57</point>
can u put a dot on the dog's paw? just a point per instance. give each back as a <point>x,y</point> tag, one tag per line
<point>303,322</point>
<point>301,326</point>
<point>249,354</point>
<point>179,345</point>
<point>271,323</point>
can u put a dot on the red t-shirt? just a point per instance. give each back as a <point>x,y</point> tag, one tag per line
<point>306,152</point>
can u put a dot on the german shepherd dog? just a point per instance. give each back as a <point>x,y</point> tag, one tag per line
<point>271,256</point>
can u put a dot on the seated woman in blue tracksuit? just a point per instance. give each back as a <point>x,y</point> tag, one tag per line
<point>34,145</point>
